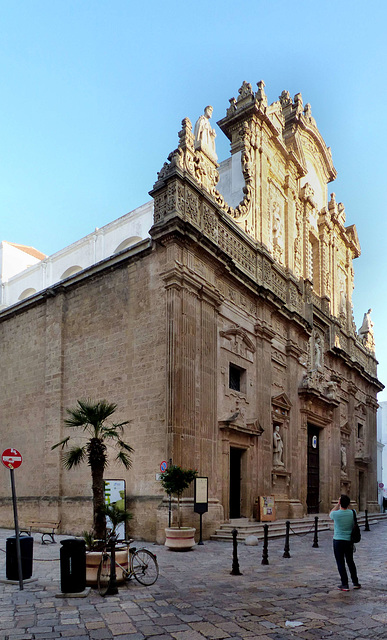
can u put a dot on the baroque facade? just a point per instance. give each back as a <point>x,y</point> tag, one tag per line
<point>227,337</point>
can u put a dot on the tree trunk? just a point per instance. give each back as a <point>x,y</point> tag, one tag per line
<point>178,512</point>
<point>98,502</point>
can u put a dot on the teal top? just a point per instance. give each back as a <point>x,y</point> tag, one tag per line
<point>343,521</point>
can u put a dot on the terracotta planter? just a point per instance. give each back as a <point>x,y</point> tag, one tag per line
<point>180,539</point>
<point>93,559</point>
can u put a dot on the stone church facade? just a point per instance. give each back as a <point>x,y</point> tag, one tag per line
<point>227,338</point>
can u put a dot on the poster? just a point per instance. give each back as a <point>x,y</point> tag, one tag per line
<point>115,494</point>
<point>267,508</point>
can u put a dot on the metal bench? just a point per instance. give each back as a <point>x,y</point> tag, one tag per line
<point>38,526</point>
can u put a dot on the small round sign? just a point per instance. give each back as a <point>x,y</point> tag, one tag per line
<point>381,485</point>
<point>11,458</point>
<point>163,466</point>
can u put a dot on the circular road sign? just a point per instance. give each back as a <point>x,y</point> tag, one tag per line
<point>11,458</point>
<point>381,485</point>
<point>163,466</point>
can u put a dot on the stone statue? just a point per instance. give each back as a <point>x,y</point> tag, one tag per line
<point>204,134</point>
<point>366,331</point>
<point>343,459</point>
<point>278,446</point>
<point>317,352</point>
<point>367,326</point>
<point>277,224</point>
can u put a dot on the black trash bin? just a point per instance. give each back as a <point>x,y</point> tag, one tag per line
<point>72,565</point>
<point>26,552</point>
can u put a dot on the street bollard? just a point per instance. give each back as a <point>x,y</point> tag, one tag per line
<point>235,564</point>
<point>287,546</point>
<point>315,538</point>
<point>367,526</point>
<point>113,589</point>
<point>265,554</point>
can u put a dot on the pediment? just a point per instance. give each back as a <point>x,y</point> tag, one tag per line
<point>282,402</point>
<point>237,334</point>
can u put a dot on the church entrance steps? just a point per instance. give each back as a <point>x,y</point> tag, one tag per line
<point>277,528</point>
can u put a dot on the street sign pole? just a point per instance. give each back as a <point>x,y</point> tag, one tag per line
<point>18,553</point>
<point>12,459</point>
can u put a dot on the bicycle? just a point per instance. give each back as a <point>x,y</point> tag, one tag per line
<point>142,564</point>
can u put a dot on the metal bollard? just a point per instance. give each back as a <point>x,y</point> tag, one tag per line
<point>235,564</point>
<point>367,526</point>
<point>315,538</point>
<point>287,546</point>
<point>265,554</point>
<point>113,589</point>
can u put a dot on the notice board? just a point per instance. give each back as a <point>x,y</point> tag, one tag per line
<point>266,508</point>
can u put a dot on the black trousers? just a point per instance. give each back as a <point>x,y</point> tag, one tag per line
<point>343,550</point>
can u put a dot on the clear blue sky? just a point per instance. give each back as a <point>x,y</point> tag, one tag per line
<point>93,94</point>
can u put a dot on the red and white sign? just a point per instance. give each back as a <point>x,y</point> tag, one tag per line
<point>11,458</point>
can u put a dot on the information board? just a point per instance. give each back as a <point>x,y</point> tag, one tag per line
<point>266,508</point>
<point>201,495</point>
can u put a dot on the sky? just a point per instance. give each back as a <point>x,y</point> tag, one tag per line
<point>94,92</point>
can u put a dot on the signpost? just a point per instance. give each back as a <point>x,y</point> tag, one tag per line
<point>201,500</point>
<point>12,459</point>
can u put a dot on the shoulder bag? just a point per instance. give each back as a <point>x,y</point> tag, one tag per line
<point>355,534</point>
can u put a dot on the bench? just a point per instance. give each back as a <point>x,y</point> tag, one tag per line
<point>39,526</point>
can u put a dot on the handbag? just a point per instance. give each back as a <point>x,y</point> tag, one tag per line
<point>355,533</point>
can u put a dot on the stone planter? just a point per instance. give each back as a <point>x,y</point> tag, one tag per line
<point>180,539</point>
<point>93,559</point>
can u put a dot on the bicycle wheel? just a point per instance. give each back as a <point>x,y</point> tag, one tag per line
<point>103,574</point>
<point>145,567</point>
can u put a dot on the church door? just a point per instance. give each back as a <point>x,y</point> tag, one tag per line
<point>235,482</point>
<point>313,497</point>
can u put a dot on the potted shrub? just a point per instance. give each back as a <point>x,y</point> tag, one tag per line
<point>174,481</point>
<point>93,419</point>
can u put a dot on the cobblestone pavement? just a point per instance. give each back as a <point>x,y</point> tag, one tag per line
<point>196,598</point>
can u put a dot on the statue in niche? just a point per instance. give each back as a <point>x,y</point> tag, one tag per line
<point>277,224</point>
<point>317,352</point>
<point>204,134</point>
<point>343,298</point>
<point>278,447</point>
<point>343,459</point>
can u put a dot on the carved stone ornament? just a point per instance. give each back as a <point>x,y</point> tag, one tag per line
<point>237,421</point>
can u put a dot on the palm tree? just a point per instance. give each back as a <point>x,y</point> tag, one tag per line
<point>92,418</point>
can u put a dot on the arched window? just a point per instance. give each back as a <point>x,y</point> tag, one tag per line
<point>128,243</point>
<point>27,293</point>
<point>71,271</point>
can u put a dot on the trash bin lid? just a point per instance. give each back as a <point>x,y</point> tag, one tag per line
<point>76,542</point>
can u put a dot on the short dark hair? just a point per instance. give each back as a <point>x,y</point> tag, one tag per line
<point>344,501</point>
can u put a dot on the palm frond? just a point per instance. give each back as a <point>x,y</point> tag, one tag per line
<point>62,443</point>
<point>74,457</point>
<point>125,446</point>
<point>90,414</point>
<point>124,458</point>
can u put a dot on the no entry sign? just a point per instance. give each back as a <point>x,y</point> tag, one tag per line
<point>11,458</point>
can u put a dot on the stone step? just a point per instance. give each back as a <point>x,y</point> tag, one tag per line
<point>277,528</point>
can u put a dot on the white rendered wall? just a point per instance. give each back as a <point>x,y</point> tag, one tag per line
<point>13,260</point>
<point>102,243</point>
